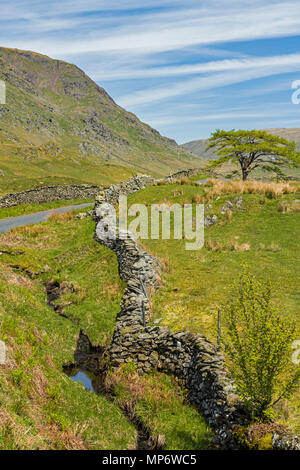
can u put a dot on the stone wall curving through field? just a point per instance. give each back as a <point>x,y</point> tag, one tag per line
<point>195,360</point>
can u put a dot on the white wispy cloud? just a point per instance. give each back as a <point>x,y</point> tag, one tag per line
<point>196,69</point>
<point>19,9</point>
<point>177,29</point>
<point>199,123</point>
<point>157,50</point>
<point>240,72</point>
<point>237,114</point>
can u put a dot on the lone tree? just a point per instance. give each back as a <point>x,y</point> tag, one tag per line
<point>253,149</point>
<point>257,340</point>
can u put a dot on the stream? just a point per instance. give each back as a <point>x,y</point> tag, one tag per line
<point>89,371</point>
<point>205,179</point>
<point>88,367</point>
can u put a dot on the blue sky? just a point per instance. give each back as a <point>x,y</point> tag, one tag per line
<point>185,67</point>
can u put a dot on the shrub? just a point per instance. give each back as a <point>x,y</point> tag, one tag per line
<point>197,198</point>
<point>184,180</point>
<point>213,245</point>
<point>257,342</point>
<point>228,215</point>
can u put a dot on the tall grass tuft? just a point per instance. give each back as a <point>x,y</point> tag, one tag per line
<point>268,189</point>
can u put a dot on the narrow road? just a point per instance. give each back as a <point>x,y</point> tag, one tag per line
<point>30,219</point>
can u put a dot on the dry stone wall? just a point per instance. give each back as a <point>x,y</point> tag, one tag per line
<point>192,358</point>
<point>130,186</point>
<point>183,174</point>
<point>49,194</point>
<point>83,191</point>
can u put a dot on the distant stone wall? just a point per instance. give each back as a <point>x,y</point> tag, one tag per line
<point>49,194</point>
<point>84,191</point>
<point>183,174</point>
<point>126,187</point>
<point>285,442</point>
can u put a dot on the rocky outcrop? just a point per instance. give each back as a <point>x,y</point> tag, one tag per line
<point>50,193</point>
<point>285,442</point>
<point>235,205</point>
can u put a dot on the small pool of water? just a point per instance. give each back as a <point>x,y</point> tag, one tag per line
<point>95,384</point>
<point>81,376</point>
<point>205,179</point>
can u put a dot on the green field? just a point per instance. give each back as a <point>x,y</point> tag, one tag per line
<point>30,176</point>
<point>41,407</point>
<point>24,209</point>
<point>196,283</point>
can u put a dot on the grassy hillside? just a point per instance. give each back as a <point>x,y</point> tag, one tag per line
<point>41,408</point>
<point>58,125</point>
<point>264,234</point>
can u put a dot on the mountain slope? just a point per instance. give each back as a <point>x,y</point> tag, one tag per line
<point>58,123</point>
<point>197,147</point>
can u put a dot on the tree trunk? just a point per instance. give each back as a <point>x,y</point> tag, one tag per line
<point>245,174</point>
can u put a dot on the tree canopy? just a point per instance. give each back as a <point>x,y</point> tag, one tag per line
<point>253,149</point>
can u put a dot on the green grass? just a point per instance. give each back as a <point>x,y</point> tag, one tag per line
<point>39,342</point>
<point>161,404</point>
<point>196,283</point>
<point>41,407</point>
<point>32,208</point>
<point>21,175</point>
